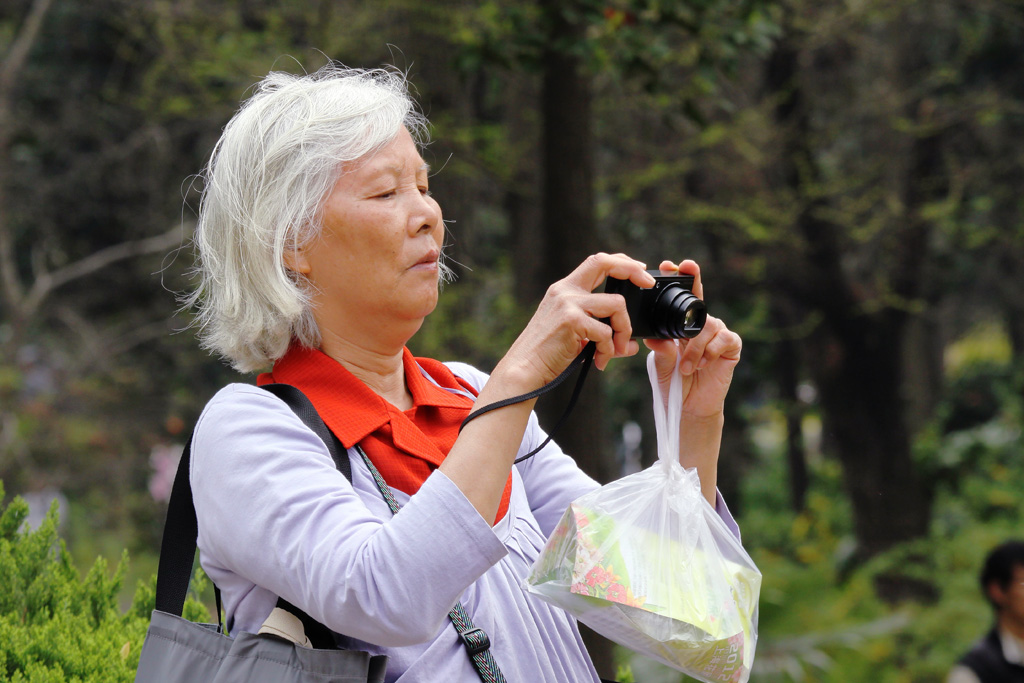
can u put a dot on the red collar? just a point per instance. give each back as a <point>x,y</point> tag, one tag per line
<point>353,411</point>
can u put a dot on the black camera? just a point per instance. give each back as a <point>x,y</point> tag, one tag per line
<point>668,310</point>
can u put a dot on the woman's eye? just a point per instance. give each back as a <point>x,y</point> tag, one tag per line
<point>425,192</point>
<point>386,195</point>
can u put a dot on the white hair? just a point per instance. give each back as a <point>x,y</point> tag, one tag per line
<point>265,185</point>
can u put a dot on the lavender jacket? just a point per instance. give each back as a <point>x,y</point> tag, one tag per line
<point>276,518</point>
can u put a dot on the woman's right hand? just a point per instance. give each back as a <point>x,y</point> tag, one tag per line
<point>570,315</point>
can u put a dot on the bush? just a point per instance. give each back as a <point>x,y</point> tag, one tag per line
<point>56,626</point>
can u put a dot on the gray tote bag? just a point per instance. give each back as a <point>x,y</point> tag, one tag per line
<point>180,651</point>
<point>177,650</point>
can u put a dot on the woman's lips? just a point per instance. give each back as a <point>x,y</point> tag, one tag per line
<point>427,262</point>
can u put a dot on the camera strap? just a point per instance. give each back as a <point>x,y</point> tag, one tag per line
<point>584,360</point>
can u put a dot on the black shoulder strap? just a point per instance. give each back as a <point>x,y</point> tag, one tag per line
<point>302,407</point>
<point>319,635</point>
<point>178,546</point>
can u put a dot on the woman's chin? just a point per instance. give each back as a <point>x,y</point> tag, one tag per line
<point>423,305</point>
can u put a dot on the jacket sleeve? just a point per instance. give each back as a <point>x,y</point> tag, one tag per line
<point>272,507</point>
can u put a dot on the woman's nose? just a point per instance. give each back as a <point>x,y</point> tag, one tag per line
<point>425,215</point>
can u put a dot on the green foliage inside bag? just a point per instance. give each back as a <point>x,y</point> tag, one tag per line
<point>56,626</point>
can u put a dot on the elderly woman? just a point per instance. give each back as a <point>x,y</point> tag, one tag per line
<point>320,254</point>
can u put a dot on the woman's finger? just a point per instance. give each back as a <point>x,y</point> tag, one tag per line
<point>609,309</point>
<point>612,308</point>
<point>694,349</point>
<point>715,341</point>
<point>601,334</point>
<point>593,271</point>
<point>726,344</point>
<point>687,267</point>
<point>622,330</point>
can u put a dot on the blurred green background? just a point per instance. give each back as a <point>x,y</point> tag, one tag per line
<point>848,173</point>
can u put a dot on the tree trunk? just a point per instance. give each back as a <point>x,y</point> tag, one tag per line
<point>1013,274</point>
<point>522,202</point>
<point>567,237</point>
<point>923,348</point>
<point>568,231</point>
<point>859,377</point>
<point>856,357</point>
<point>796,458</point>
<point>780,81</point>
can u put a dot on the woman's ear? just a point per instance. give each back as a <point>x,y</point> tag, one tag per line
<point>295,260</point>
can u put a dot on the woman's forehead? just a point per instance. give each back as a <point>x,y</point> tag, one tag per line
<point>395,158</point>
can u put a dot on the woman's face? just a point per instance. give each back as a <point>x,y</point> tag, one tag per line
<point>375,266</point>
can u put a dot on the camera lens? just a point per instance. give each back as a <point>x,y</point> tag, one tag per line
<point>689,318</point>
<point>678,314</point>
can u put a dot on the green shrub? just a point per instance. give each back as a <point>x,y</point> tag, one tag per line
<point>56,626</point>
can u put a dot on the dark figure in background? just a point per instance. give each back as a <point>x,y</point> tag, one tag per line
<point>999,656</point>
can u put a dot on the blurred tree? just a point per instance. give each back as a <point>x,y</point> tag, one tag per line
<point>870,274</point>
<point>10,69</point>
<point>32,263</point>
<point>107,106</point>
<point>847,181</point>
<point>856,354</point>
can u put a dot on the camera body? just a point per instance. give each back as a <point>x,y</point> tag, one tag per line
<point>668,310</point>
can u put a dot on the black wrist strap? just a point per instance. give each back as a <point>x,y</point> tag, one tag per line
<point>584,360</point>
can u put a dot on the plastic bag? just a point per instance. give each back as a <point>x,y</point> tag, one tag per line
<point>648,563</point>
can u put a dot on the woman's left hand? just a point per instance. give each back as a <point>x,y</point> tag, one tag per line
<point>706,368</point>
<point>708,360</point>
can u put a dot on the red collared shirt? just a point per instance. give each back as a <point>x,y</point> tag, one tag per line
<point>406,446</point>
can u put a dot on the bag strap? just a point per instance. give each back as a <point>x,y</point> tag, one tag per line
<point>178,545</point>
<point>303,407</point>
<point>321,637</point>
